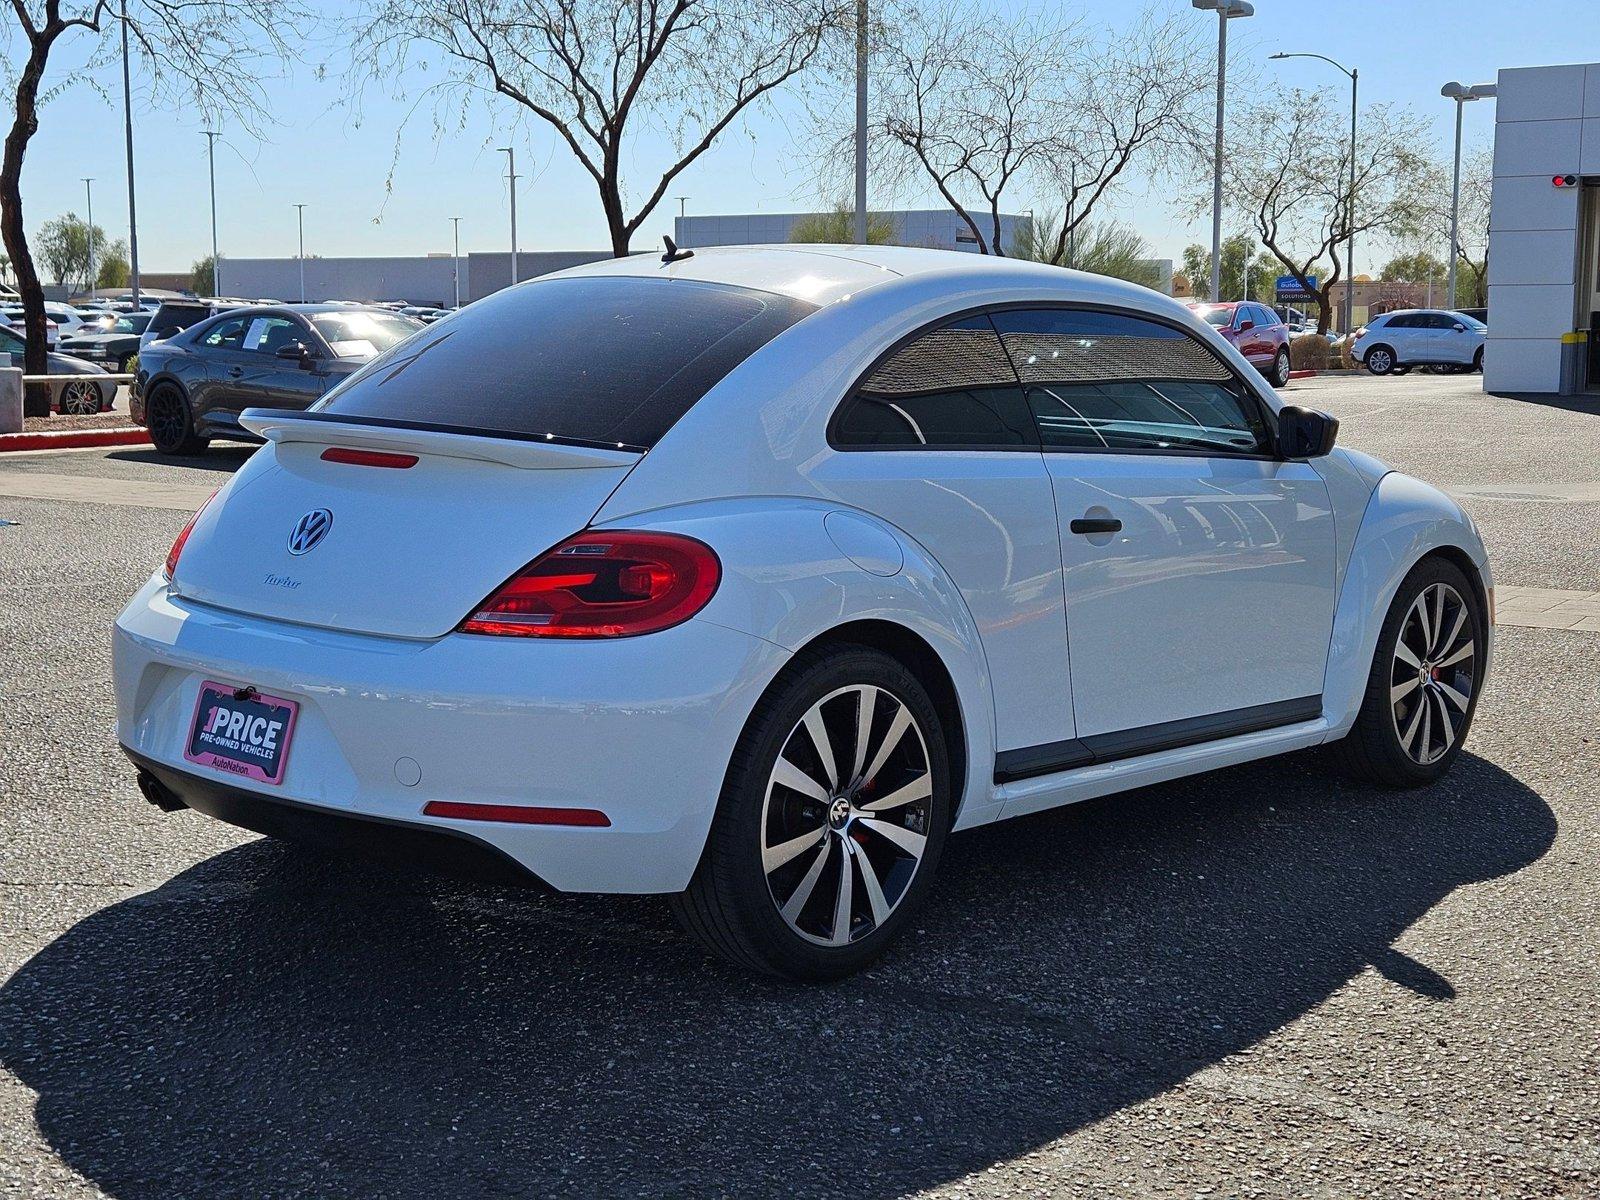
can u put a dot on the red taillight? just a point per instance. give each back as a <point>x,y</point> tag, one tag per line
<point>600,585</point>
<point>183,536</point>
<point>368,458</point>
<point>517,814</point>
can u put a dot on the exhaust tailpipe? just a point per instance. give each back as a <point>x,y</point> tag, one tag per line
<point>159,793</point>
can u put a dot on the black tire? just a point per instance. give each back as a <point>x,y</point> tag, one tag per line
<point>171,424</point>
<point>123,361</point>
<point>1281,367</point>
<point>730,905</point>
<point>1477,361</point>
<point>1380,359</point>
<point>1375,750</point>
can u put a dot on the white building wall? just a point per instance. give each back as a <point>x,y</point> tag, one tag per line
<point>939,228</point>
<point>1547,123</point>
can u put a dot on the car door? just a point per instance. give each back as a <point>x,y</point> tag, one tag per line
<point>1198,567</point>
<point>937,440</point>
<point>1457,343</point>
<point>215,392</point>
<point>285,382</point>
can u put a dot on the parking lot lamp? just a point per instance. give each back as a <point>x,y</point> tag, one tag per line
<point>455,258</point>
<point>511,178</point>
<point>127,133</point>
<point>1460,93</point>
<point>1350,198</point>
<point>88,199</point>
<point>216,264</point>
<point>300,215</point>
<point>1225,10</point>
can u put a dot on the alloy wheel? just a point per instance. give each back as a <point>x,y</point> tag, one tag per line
<point>80,398</point>
<point>165,417</point>
<point>1379,361</point>
<point>1433,673</point>
<point>848,808</point>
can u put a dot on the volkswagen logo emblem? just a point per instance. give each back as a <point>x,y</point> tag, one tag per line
<point>309,530</point>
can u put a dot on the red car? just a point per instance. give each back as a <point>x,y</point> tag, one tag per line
<point>1256,332</point>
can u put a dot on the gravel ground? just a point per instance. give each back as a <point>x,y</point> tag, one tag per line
<point>1257,982</point>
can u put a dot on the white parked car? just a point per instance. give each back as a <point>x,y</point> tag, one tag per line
<point>1417,337</point>
<point>748,577</point>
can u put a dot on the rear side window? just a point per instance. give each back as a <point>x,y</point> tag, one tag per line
<point>175,318</point>
<point>1109,381</point>
<point>607,360</point>
<point>952,386</point>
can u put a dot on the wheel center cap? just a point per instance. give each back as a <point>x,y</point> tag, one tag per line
<point>839,813</point>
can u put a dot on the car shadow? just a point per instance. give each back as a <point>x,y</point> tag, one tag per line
<point>275,1021</point>
<point>221,456</point>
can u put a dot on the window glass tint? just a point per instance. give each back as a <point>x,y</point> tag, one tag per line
<point>1441,321</point>
<point>1215,314</point>
<point>1108,381</point>
<point>226,335</point>
<point>1403,321</point>
<point>10,343</point>
<point>952,386</point>
<point>267,335</point>
<point>174,318</point>
<point>597,359</point>
<point>359,334</point>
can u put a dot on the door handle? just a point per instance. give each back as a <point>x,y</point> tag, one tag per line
<point>235,372</point>
<point>1096,525</point>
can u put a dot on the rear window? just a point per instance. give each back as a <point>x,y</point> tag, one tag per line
<point>601,360</point>
<point>174,318</point>
<point>1213,314</point>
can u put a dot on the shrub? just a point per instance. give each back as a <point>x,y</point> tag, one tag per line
<point>1309,352</point>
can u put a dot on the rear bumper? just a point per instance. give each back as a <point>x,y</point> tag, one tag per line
<point>400,843</point>
<point>639,728</point>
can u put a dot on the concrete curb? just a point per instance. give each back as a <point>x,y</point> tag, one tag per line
<point>71,439</point>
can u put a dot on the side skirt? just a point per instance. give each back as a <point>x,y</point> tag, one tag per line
<point>1031,761</point>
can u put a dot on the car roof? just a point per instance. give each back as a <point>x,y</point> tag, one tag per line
<point>822,274</point>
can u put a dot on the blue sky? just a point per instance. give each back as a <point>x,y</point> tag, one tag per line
<point>315,150</point>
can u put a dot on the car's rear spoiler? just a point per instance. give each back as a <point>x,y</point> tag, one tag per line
<point>532,451</point>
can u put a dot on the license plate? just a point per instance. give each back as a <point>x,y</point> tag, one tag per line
<point>241,732</point>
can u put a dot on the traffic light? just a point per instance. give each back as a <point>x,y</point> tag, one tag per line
<point>1564,181</point>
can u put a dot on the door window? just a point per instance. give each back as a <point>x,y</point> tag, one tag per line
<point>1113,382</point>
<point>268,335</point>
<point>952,387</point>
<point>227,335</point>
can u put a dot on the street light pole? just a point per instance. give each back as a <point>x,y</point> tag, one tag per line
<point>127,131</point>
<point>1350,196</point>
<point>300,214</point>
<point>455,258</point>
<point>88,198</point>
<point>211,156</point>
<point>1225,10</point>
<point>1460,94</point>
<point>861,123</point>
<point>511,177</point>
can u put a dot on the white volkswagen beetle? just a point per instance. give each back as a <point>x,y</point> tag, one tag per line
<point>748,577</point>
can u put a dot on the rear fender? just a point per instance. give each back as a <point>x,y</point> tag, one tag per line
<point>794,569</point>
<point>1405,520</point>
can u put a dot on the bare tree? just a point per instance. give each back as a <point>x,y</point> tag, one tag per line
<point>602,72</point>
<point>981,109</point>
<point>1472,250</point>
<point>218,49</point>
<point>1288,169</point>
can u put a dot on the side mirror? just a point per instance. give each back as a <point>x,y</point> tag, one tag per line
<point>300,353</point>
<point>1459,327</point>
<point>1305,432</point>
<point>1243,325</point>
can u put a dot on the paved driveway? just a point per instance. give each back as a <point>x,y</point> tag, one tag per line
<point>1259,982</point>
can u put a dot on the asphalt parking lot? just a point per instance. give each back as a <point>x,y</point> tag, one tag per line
<point>1260,982</point>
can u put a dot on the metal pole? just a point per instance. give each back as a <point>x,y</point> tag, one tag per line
<point>683,206</point>
<point>455,258</point>
<point>1072,216</point>
<point>1455,208</point>
<point>861,123</point>
<point>1216,181</point>
<point>300,214</point>
<point>1350,214</point>
<point>511,177</point>
<point>216,263</point>
<point>127,129</point>
<point>88,194</point>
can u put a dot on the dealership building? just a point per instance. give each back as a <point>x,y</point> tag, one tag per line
<point>1544,233</point>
